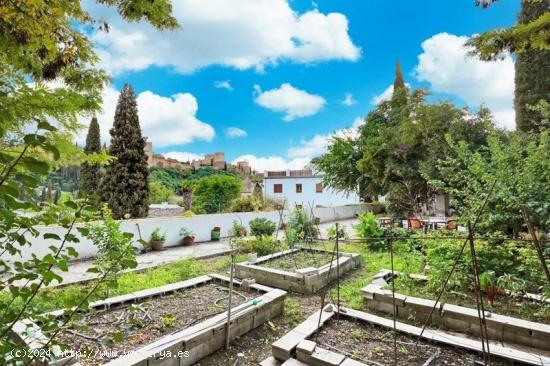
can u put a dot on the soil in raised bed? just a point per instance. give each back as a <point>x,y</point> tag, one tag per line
<point>301,259</point>
<point>366,342</point>
<point>117,331</point>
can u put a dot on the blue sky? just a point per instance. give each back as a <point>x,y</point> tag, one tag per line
<point>281,70</point>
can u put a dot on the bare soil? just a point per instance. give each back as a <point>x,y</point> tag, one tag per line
<point>371,344</point>
<point>116,331</point>
<point>301,259</point>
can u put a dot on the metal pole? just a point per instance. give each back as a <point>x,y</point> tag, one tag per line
<point>337,273</point>
<point>228,329</point>
<point>390,242</point>
<point>535,241</point>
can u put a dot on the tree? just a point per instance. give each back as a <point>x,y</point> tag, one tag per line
<point>125,185</point>
<point>90,175</point>
<point>159,193</point>
<point>532,71</point>
<point>40,42</point>
<point>215,193</point>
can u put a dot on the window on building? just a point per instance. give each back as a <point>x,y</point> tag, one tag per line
<point>277,188</point>
<point>319,188</point>
<point>298,188</point>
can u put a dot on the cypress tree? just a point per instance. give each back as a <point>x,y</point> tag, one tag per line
<point>399,96</point>
<point>532,73</point>
<point>90,174</point>
<point>124,187</point>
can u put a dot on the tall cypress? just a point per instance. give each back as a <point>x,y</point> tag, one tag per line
<point>532,73</point>
<point>124,187</point>
<point>399,96</point>
<point>399,82</point>
<point>90,174</point>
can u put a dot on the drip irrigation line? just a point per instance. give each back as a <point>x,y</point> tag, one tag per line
<point>478,216</point>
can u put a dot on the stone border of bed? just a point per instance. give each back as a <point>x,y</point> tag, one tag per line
<point>305,280</point>
<point>500,328</point>
<point>198,340</point>
<point>294,348</point>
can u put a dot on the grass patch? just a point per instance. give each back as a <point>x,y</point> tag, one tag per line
<point>51,298</point>
<point>292,312</point>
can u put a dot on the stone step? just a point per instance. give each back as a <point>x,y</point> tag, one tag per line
<point>294,362</point>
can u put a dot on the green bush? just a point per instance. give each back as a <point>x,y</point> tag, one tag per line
<point>367,228</point>
<point>331,232</point>
<point>243,204</point>
<point>216,193</point>
<point>260,227</point>
<point>261,246</point>
<point>158,193</point>
<point>238,229</point>
<point>300,227</point>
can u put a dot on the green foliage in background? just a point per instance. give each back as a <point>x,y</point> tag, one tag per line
<point>158,193</point>
<point>216,193</point>
<point>261,227</point>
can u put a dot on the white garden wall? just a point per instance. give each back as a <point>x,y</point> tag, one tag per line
<point>201,225</point>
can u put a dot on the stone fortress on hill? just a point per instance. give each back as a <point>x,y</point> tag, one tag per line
<point>215,160</point>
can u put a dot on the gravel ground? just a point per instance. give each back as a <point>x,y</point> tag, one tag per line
<point>366,342</point>
<point>124,329</point>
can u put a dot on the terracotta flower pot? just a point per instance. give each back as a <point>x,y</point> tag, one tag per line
<point>188,240</point>
<point>157,245</point>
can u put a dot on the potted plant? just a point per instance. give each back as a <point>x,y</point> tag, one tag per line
<point>215,233</point>
<point>187,235</point>
<point>157,239</point>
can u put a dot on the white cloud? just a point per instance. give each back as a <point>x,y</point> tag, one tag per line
<point>261,164</point>
<point>317,145</point>
<point>164,120</point>
<point>386,95</point>
<point>293,102</point>
<point>348,100</point>
<point>241,34</point>
<point>234,132</point>
<point>446,65</point>
<point>183,156</point>
<point>223,84</point>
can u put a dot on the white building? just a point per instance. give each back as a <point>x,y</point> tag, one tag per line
<point>302,187</point>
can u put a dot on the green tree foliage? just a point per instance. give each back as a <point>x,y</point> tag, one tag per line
<point>216,193</point>
<point>90,174</point>
<point>170,178</point>
<point>520,166</point>
<point>125,185</point>
<point>159,193</point>
<point>40,43</point>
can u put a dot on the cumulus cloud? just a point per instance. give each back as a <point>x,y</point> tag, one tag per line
<point>293,102</point>
<point>446,65</point>
<point>317,145</point>
<point>223,84</point>
<point>234,132</point>
<point>164,120</point>
<point>349,100</point>
<point>183,156</point>
<point>242,34</point>
<point>261,164</point>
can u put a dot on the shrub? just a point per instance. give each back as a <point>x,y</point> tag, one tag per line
<point>260,227</point>
<point>216,193</point>
<point>243,204</point>
<point>238,229</point>
<point>157,235</point>
<point>367,228</point>
<point>261,246</point>
<point>159,193</point>
<point>300,227</point>
<point>188,213</point>
<point>342,234</point>
<point>185,232</point>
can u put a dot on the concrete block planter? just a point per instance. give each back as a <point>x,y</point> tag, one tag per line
<point>303,280</point>
<point>457,318</point>
<point>181,347</point>
<point>299,346</point>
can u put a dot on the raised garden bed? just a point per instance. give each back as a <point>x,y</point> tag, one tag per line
<point>302,270</point>
<point>354,338</point>
<point>457,318</point>
<point>186,320</point>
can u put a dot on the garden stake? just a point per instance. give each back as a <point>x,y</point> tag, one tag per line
<point>478,216</point>
<point>227,331</point>
<point>337,274</point>
<point>325,293</point>
<point>479,301</point>
<point>390,242</point>
<point>536,243</point>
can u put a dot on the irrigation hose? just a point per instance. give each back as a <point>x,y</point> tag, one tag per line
<point>219,288</point>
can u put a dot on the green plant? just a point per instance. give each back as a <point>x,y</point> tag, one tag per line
<point>159,193</point>
<point>342,234</point>
<point>260,227</point>
<point>185,232</point>
<point>243,204</point>
<point>300,227</point>
<point>216,193</point>
<point>292,312</point>
<point>368,229</point>
<point>512,283</point>
<point>237,229</point>
<point>168,320</point>
<point>157,235</point>
<point>487,281</point>
<point>261,246</point>
<point>188,213</point>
